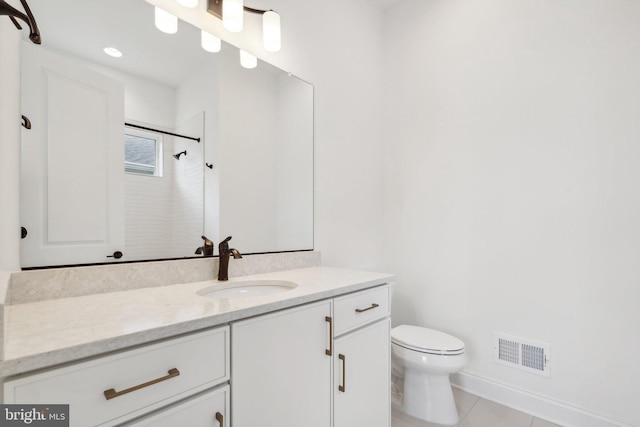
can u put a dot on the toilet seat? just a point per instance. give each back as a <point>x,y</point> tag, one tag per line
<point>425,340</point>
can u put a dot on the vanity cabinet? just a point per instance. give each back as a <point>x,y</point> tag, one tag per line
<point>319,364</point>
<point>361,377</point>
<point>362,370</point>
<point>281,372</point>
<point>110,390</point>
<point>209,409</point>
<point>288,370</point>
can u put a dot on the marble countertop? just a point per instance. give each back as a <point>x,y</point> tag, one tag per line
<point>47,333</point>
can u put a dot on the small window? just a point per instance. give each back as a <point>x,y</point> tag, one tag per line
<point>142,152</point>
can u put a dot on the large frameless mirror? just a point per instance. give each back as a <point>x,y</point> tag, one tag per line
<point>143,142</point>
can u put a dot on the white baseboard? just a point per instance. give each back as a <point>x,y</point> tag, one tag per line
<point>542,407</point>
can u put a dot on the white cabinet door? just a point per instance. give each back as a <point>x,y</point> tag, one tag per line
<point>280,371</point>
<point>210,409</point>
<point>72,161</point>
<point>362,376</point>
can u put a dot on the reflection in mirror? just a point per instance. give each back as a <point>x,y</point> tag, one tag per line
<point>162,192</point>
<point>93,187</point>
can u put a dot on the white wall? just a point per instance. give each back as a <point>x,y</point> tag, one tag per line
<point>266,158</point>
<point>512,186</point>
<point>195,96</point>
<point>294,197</point>
<point>336,47</point>
<point>247,157</point>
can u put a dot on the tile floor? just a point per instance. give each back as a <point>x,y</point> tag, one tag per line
<point>475,411</point>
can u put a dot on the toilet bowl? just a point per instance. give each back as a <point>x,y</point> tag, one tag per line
<point>427,357</point>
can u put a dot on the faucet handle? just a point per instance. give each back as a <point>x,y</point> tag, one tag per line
<point>207,249</point>
<point>224,246</point>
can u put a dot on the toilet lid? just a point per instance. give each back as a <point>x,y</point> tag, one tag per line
<point>426,340</point>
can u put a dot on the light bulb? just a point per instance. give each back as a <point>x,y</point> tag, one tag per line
<point>209,42</point>
<point>247,60</point>
<point>232,15</point>
<point>188,3</point>
<point>271,37</point>
<point>166,22</point>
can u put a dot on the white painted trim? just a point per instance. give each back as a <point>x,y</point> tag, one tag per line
<point>543,407</point>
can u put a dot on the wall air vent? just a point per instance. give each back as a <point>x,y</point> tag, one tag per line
<point>523,354</point>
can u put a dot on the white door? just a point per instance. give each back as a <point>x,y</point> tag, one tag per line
<point>280,370</point>
<point>72,161</point>
<point>362,377</point>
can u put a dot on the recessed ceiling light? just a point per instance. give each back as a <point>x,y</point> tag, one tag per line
<point>112,51</point>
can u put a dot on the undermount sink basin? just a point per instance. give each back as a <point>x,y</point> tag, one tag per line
<point>247,288</point>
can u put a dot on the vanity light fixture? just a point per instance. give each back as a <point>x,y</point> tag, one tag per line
<point>232,10</point>
<point>209,42</point>
<point>112,51</point>
<point>247,60</point>
<point>231,14</point>
<point>166,22</point>
<point>271,37</point>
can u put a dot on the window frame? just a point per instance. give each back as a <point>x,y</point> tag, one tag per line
<point>140,169</point>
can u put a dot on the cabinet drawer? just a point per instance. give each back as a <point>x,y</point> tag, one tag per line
<point>205,410</point>
<point>358,309</point>
<point>141,379</point>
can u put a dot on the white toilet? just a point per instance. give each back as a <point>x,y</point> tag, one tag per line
<point>427,357</point>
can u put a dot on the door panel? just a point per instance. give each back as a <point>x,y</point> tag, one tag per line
<point>72,161</point>
<point>280,372</point>
<point>362,370</point>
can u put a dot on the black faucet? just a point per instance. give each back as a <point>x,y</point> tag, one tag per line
<point>206,249</point>
<point>225,253</point>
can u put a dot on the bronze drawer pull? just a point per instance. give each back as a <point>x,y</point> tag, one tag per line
<point>220,419</point>
<point>329,352</point>
<point>362,310</point>
<point>344,372</point>
<point>111,393</point>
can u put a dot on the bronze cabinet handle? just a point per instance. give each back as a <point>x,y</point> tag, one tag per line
<point>342,387</point>
<point>329,352</point>
<point>111,393</point>
<point>362,310</point>
<point>220,419</point>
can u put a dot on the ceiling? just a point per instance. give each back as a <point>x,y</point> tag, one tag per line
<point>95,24</point>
